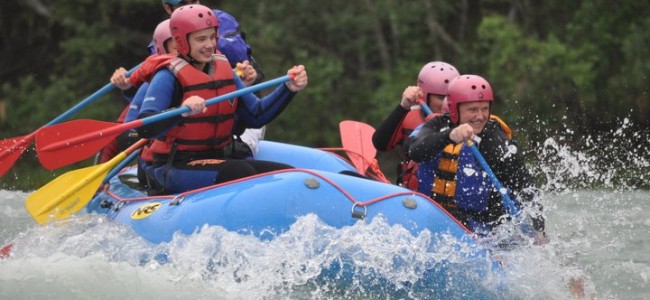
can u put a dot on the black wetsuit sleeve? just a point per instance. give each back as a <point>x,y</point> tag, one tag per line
<point>432,138</point>
<point>507,162</point>
<point>387,129</point>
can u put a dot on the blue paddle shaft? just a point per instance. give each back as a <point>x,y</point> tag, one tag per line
<point>121,165</point>
<point>184,109</point>
<point>90,99</point>
<point>507,202</point>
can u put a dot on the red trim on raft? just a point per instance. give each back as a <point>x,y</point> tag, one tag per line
<point>332,183</point>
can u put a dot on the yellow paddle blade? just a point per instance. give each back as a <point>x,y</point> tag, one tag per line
<point>68,193</point>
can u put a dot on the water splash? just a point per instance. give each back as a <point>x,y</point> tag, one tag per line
<point>617,160</point>
<point>596,218</point>
<point>590,190</point>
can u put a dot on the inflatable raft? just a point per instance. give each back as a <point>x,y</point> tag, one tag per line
<point>322,183</point>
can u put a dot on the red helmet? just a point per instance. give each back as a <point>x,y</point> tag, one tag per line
<point>187,19</point>
<point>467,88</point>
<point>160,36</point>
<point>435,77</point>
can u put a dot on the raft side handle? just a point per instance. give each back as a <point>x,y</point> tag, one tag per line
<point>177,200</point>
<point>357,213</point>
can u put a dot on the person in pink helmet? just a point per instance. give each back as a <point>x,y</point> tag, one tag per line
<point>192,150</point>
<point>448,170</point>
<point>134,87</point>
<point>430,90</point>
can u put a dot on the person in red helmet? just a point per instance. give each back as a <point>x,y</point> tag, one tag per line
<point>450,174</point>
<point>431,89</point>
<point>232,39</point>
<point>233,44</point>
<point>190,151</point>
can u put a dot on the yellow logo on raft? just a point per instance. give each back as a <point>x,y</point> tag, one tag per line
<point>144,211</point>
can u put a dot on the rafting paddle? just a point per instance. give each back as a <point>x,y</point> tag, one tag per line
<point>73,141</point>
<point>425,108</point>
<point>507,202</point>
<point>70,192</point>
<point>11,149</point>
<point>356,138</point>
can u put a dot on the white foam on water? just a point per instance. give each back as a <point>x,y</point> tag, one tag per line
<point>597,222</point>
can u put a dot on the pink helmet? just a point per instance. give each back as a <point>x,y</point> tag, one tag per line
<point>187,19</point>
<point>435,77</point>
<point>467,88</point>
<point>160,36</point>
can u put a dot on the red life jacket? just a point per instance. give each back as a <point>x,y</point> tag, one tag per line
<point>211,130</point>
<point>149,67</point>
<point>407,168</point>
<point>143,74</point>
<point>412,119</point>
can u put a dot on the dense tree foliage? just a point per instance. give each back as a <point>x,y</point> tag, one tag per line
<point>580,65</point>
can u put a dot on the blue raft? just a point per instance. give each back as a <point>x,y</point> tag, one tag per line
<point>266,205</point>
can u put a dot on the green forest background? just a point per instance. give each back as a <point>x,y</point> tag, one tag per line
<point>572,66</point>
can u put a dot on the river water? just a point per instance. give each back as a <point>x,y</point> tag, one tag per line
<point>599,237</point>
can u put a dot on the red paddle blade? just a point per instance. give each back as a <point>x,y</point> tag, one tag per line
<point>66,143</point>
<point>5,251</point>
<point>356,138</point>
<point>11,149</point>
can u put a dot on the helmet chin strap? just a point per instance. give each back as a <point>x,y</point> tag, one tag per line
<point>189,58</point>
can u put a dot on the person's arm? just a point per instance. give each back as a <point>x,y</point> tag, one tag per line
<point>388,135</point>
<point>508,164</point>
<point>432,138</point>
<point>136,103</point>
<point>388,129</point>
<point>504,157</point>
<point>158,98</point>
<point>255,112</point>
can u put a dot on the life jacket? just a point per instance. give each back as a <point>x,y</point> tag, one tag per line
<point>454,178</point>
<point>412,119</point>
<point>149,67</point>
<point>407,172</point>
<point>207,131</point>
